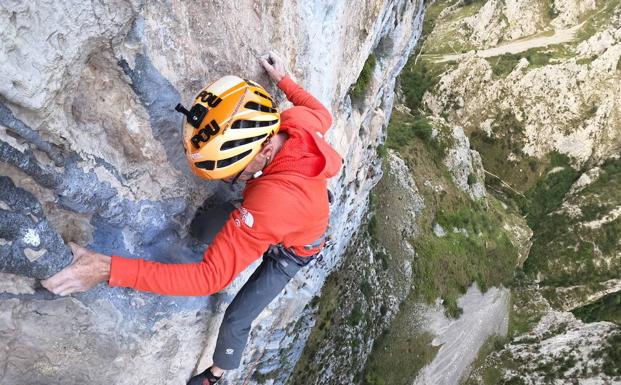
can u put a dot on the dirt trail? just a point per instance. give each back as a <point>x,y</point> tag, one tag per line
<point>521,45</point>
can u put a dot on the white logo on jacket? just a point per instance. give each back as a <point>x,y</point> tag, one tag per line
<point>246,216</point>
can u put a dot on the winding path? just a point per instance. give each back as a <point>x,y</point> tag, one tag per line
<point>521,45</point>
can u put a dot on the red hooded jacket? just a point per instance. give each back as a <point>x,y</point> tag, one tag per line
<point>287,205</point>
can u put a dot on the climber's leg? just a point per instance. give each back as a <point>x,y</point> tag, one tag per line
<point>277,268</point>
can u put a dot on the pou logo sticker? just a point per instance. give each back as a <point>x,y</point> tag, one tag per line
<point>209,98</point>
<point>205,134</point>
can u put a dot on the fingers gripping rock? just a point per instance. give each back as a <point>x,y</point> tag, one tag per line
<point>273,65</point>
<point>87,270</point>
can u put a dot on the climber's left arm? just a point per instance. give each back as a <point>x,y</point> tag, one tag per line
<point>242,240</point>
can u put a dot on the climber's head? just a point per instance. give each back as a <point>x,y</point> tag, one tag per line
<point>228,125</point>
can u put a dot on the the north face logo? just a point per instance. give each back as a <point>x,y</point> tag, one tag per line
<point>229,351</point>
<point>247,217</point>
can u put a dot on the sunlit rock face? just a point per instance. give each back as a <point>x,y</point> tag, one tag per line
<point>91,152</point>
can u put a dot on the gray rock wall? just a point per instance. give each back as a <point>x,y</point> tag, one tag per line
<point>90,152</point>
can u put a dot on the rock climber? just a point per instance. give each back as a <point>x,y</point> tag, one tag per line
<point>234,132</point>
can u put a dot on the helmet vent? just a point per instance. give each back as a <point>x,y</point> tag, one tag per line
<point>240,142</point>
<point>261,94</point>
<point>253,123</point>
<point>233,159</point>
<point>206,165</point>
<point>259,107</point>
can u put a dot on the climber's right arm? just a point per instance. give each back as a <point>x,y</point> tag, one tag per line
<point>314,112</point>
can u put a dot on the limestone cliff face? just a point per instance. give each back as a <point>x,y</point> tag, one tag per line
<point>91,152</point>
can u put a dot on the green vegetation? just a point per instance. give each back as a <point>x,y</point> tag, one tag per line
<point>355,300</point>
<point>404,128</point>
<point>504,64</point>
<point>400,133</point>
<point>262,378</point>
<point>612,355</point>
<point>469,2</point>
<point>548,194</point>
<point>420,74</point>
<point>480,251</point>
<point>607,308</point>
<point>364,79</point>
<point>551,370</point>
<point>417,78</point>
<point>366,289</point>
<point>537,57</point>
<point>555,369</point>
<point>326,317</point>
<point>506,142</point>
<point>472,179</point>
<point>551,10</point>
<point>476,246</point>
<point>381,151</point>
<point>447,38</point>
<point>609,179</point>
<point>403,348</point>
<point>492,374</point>
<point>475,249</point>
<point>431,15</point>
<point>564,250</point>
<point>597,19</point>
<point>356,315</point>
<point>526,307</point>
<point>400,352</point>
<point>586,60</point>
<point>372,227</point>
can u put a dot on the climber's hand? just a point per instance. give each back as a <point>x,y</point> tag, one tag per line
<point>274,66</point>
<point>87,270</point>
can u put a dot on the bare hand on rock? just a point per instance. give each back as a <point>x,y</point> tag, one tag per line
<point>87,270</point>
<point>274,66</point>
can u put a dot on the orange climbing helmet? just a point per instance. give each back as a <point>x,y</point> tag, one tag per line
<point>227,126</point>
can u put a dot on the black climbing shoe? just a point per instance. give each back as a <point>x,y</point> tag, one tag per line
<point>205,378</point>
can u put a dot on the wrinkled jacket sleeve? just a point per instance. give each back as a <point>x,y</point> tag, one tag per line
<point>233,249</point>
<point>313,110</point>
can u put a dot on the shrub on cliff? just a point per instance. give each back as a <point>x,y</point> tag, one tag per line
<point>364,79</point>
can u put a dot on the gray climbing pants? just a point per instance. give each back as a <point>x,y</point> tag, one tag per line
<point>277,268</point>
<point>279,265</point>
